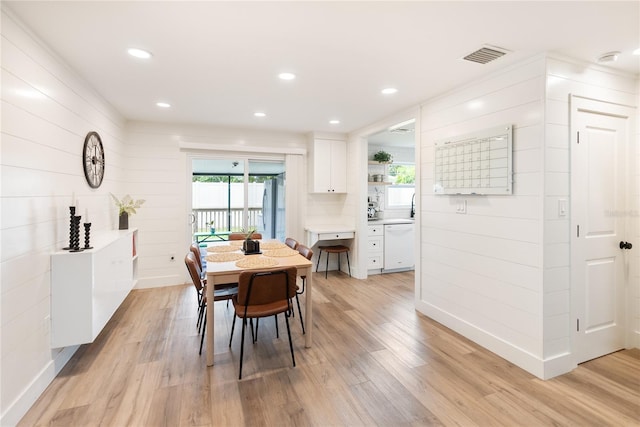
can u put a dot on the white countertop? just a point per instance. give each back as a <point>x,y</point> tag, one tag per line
<point>386,221</point>
<point>333,228</point>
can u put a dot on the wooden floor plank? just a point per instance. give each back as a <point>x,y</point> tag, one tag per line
<point>375,361</point>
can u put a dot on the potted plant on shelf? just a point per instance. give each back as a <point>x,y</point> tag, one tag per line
<point>212,226</point>
<point>382,157</point>
<point>127,206</point>
<point>250,246</point>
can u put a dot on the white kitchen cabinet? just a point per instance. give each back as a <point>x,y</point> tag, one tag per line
<point>87,287</point>
<point>328,166</point>
<point>375,247</point>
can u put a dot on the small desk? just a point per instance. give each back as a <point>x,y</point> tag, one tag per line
<point>211,237</point>
<point>317,233</point>
<point>228,272</point>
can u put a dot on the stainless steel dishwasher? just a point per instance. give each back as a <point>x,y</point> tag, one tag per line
<point>398,246</point>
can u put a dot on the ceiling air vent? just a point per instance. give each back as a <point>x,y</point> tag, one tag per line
<point>401,130</point>
<point>485,54</point>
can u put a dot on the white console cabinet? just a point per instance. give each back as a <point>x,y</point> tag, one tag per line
<point>87,287</point>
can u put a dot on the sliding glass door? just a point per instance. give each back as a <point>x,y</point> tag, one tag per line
<point>231,195</point>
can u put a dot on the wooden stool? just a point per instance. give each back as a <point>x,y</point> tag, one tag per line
<point>337,249</point>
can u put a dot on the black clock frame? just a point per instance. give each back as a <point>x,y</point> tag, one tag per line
<point>90,161</point>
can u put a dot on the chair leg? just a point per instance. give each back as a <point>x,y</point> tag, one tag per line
<point>286,318</point>
<point>244,327</point>
<point>254,337</point>
<point>300,313</point>
<point>348,263</point>
<point>326,270</point>
<point>201,311</point>
<point>318,262</point>
<point>233,326</point>
<point>275,317</point>
<point>204,329</point>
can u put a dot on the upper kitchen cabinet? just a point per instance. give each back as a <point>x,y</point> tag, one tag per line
<point>327,166</point>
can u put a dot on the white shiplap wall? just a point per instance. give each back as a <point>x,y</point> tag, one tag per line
<point>160,175</point>
<point>482,272</point>
<point>46,112</point>
<point>565,78</point>
<point>634,336</point>
<point>499,274</point>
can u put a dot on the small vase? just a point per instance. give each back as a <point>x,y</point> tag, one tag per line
<point>251,246</point>
<point>213,230</point>
<point>124,221</point>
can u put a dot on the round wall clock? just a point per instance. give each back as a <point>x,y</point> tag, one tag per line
<point>93,159</point>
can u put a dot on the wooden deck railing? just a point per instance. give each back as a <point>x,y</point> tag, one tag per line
<point>222,221</point>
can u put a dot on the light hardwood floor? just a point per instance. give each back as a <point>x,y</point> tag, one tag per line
<point>375,361</point>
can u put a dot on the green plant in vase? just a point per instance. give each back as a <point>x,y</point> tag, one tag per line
<point>250,246</point>
<point>382,157</point>
<point>127,206</point>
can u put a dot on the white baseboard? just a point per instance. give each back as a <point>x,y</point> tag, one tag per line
<point>159,282</point>
<point>19,407</point>
<point>543,369</point>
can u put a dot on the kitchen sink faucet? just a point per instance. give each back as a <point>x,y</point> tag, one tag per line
<point>413,205</point>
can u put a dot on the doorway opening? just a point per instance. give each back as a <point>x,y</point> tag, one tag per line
<point>235,195</point>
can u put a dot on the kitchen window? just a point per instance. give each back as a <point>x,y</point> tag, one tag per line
<point>400,192</point>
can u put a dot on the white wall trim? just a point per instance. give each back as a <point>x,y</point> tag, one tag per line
<point>543,369</point>
<point>195,146</point>
<point>19,407</point>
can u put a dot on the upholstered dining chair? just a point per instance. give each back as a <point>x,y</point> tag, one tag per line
<point>264,293</point>
<point>220,293</point>
<point>291,242</point>
<point>195,248</point>
<point>242,236</point>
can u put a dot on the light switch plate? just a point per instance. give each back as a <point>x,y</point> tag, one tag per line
<point>562,207</point>
<point>461,207</point>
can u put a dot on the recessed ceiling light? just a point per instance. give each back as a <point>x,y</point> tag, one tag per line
<point>286,76</point>
<point>139,53</point>
<point>389,90</point>
<point>334,122</point>
<point>163,104</point>
<point>637,51</point>
<point>259,114</point>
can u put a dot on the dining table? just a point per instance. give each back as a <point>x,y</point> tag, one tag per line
<point>226,260</point>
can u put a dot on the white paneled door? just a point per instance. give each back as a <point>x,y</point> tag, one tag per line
<point>599,141</point>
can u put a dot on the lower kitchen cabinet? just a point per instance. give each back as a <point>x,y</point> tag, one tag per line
<point>375,248</point>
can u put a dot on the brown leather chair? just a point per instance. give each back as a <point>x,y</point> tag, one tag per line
<point>264,293</point>
<point>195,248</point>
<point>220,293</point>
<point>292,243</point>
<point>243,236</point>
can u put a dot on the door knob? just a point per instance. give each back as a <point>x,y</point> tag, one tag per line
<point>625,245</point>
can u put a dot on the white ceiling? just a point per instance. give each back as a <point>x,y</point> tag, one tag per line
<point>217,62</point>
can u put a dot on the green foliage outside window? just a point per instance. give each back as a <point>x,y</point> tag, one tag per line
<point>234,179</point>
<point>404,174</point>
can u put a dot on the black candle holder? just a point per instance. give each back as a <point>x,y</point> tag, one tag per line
<point>87,230</point>
<point>75,245</point>
<point>72,213</point>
